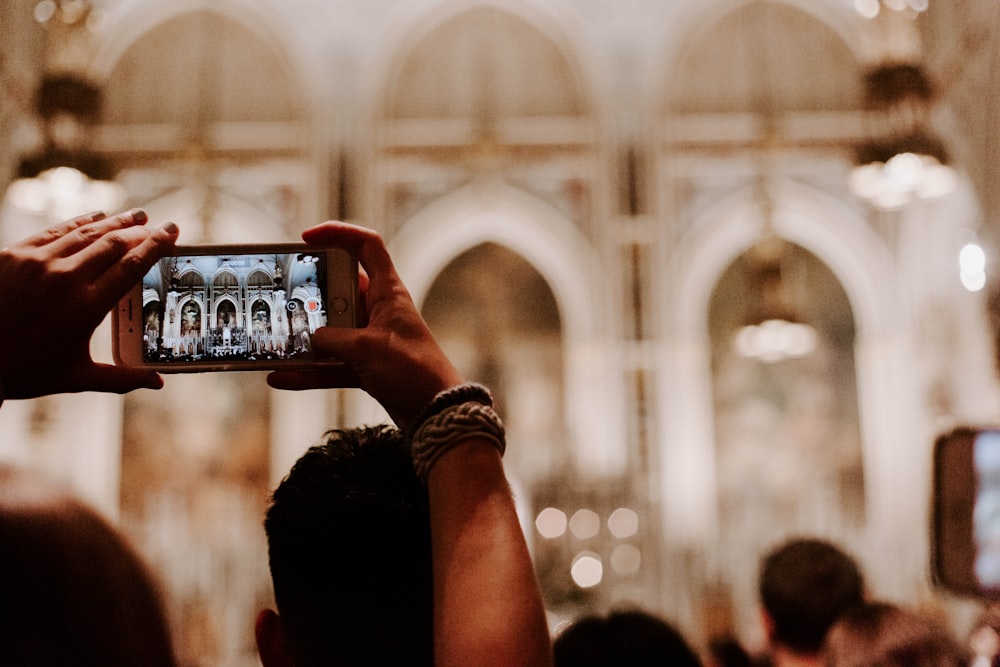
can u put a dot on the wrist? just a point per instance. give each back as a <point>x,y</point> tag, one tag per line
<point>464,418</point>
<point>452,395</point>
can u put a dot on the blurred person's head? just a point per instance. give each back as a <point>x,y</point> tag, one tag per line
<point>630,638</point>
<point>805,584</point>
<point>885,635</point>
<point>349,545</point>
<point>727,652</point>
<point>72,589</point>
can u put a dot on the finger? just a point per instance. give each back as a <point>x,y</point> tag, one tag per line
<point>105,253</point>
<point>83,236</point>
<point>341,343</point>
<point>366,244</point>
<point>118,379</point>
<point>362,306</point>
<point>334,378</point>
<point>121,275</point>
<point>97,377</point>
<point>57,232</point>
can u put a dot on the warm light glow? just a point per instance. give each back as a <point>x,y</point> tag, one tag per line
<point>871,8</point>
<point>585,524</point>
<point>551,523</point>
<point>626,559</point>
<point>867,8</point>
<point>775,340</point>
<point>972,267</point>
<point>64,192</point>
<point>902,179</point>
<point>45,10</point>
<point>587,570</point>
<point>623,523</point>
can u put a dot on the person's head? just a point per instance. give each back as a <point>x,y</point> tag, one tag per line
<point>349,546</point>
<point>728,652</point>
<point>878,633</point>
<point>72,590</point>
<point>805,585</point>
<point>628,638</point>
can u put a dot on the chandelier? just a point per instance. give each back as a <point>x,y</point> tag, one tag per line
<point>65,176</point>
<point>900,160</point>
<point>772,329</point>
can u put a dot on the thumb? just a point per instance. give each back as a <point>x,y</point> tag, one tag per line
<point>340,343</point>
<point>116,379</point>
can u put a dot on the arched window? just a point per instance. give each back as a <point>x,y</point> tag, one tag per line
<point>259,278</point>
<point>226,279</point>
<point>498,319</point>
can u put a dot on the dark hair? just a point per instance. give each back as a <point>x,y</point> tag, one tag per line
<point>634,638</point>
<point>878,633</point>
<point>349,546</point>
<point>728,652</point>
<point>805,585</point>
<point>72,589</point>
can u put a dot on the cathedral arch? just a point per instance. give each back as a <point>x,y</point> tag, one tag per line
<point>839,237</point>
<point>264,22</point>
<point>821,223</point>
<point>476,215</point>
<point>226,278</point>
<point>693,21</point>
<point>409,32</point>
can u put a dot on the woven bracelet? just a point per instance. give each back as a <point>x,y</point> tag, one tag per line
<point>451,426</point>
<point>462,393</point>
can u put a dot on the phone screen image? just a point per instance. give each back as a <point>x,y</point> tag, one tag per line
<point>233,308</point>
<point>986,508</point>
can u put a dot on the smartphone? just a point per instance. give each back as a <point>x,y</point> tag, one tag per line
<point>233,308</point>
<point>966,512</point>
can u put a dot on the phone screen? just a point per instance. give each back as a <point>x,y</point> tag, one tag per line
<point>233,308</point>
<point>986,508</point>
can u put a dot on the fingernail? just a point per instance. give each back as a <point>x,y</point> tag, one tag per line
<point>138,216</point>
<point>96,215</point>
<point>170,228</point>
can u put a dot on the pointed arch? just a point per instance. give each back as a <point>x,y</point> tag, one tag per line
<point>414,22</point>
<point>691,20</point>
<point>127,23</point>
<point>498,213</point>
<point>824,225</point>
<point>837,235</point>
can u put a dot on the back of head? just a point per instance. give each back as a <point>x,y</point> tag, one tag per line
<point>72,590</point>
<point>805,585</point>
<point>349,545</point>
<point>625,638</point>
<point>885,635</point>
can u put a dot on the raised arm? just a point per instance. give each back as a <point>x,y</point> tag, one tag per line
<point>57,287</point>
<point>487,605</point>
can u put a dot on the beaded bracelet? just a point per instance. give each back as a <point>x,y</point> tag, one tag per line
<point>451,426</point>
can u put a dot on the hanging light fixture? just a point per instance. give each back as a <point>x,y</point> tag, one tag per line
<point>900,160</point>
<point>772,330</point>
<point>66,177</point>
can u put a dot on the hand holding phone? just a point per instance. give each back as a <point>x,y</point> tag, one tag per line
<point>58,287</point>
<point>231,308</point>
<point>394,357</point>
